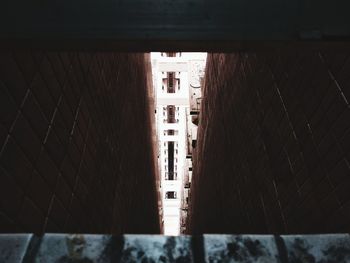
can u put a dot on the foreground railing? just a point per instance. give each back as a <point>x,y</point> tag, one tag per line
<point>156,248</point>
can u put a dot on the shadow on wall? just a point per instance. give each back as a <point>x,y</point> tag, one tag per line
<point>274,144</point>
<point>76,147</point>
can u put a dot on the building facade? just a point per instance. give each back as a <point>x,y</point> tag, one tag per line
<point>174,75</point>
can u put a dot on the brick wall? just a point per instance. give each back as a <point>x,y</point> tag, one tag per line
<point>75,143</point>
<point>274,144</point>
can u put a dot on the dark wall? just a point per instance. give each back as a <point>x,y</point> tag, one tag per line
<point>75,143</point>
<point>274,144</point>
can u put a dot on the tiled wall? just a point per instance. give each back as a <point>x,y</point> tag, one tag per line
<point>274,144</point>
<point>75,143</point>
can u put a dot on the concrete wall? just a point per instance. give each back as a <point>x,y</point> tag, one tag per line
<point>76,147</point>
<point>274,144</point>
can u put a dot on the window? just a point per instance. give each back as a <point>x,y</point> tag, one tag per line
<point>171,157</point>
<point>171,176</point>
<point>171,132</point>
<point>170,82</point>
<point>171,113</point>
<point>170,195</point>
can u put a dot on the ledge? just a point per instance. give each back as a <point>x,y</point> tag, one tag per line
<point>157,248</point>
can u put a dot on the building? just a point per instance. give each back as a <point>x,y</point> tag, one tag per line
<point>175,78</point>
<point>196,77</point>
<point>69,143</point>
